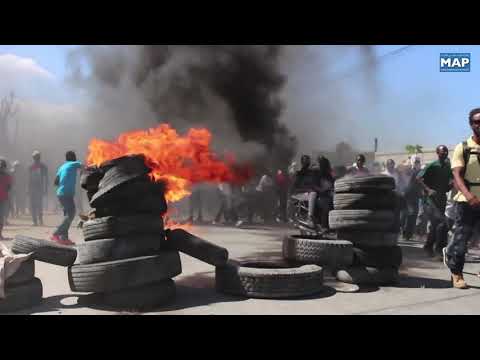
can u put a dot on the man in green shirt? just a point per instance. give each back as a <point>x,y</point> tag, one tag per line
<point>437,180</point>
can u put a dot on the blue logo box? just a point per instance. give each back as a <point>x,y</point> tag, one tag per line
<point>455,62</point>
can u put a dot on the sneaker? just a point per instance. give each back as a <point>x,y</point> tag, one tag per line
<point>57,239</point>
<point>239,223</point>
<point>68,242</point>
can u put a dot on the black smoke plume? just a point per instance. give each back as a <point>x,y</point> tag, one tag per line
<point>188,84</point>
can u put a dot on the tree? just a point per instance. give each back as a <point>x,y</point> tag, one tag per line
<point>8,109</point>
<point>414,149</point>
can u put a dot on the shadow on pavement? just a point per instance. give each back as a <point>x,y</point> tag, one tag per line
<point>365,289</point>
<point>414,282</point>
<point>50,304</point>
<point>191,291</point>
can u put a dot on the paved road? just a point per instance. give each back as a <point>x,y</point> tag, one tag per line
<point>424,286</point>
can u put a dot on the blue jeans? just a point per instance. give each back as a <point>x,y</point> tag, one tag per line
<point>465,221</point>
<point>68,205</point>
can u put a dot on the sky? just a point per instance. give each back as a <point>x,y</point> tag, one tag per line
<point>412,101</point>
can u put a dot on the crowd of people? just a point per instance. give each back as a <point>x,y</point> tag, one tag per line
<point>432,200</point>
<point>23,192</point>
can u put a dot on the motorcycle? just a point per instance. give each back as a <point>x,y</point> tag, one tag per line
<point>298,213</point>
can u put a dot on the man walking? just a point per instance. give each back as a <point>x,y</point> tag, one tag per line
<point>437,180</point>
<point>466,171</point>
<point>359,168</point>
<point>5,184</point>
<point>412,197</point>
<point>37,188</point>
<point>19,190</point>
<point>66,181</point>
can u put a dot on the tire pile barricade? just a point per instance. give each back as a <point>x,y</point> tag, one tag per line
<point>365,216</point>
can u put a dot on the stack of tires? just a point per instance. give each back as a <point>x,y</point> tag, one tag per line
<point>365,215</point>
<point>23,289</point>
<point>125,260</point>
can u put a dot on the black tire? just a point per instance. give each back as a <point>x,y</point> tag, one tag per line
<point>367,184</point>
<point>361,220</point>
<point>141,196</point>
<point>90,178</point>
<point>197,248</point>
<point>361,275</point>
<point>24,274</point>
<point>369,239</point>
<point>112,183</point>
<point>308,250</point>
<point>140,298</point>
<point>364,202</point>
<point>268,280</point>
<point>45,251</point>
<point>97,251</point>
<point>118,275</point>
<point>22,296</point>
<point>115,227</point>
<point>127,164</point>
<point>378,257</point>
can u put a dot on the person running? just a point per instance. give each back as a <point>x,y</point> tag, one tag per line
<point>66,181</point>
<point>437,181</point>
<point>412,194</point>
<point>5,185</point>
<point>466,171</point>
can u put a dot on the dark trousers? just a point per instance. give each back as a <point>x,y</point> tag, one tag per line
<point>438,235</point>
<point>36,207</point>
<point>68,205</point>
<point>466,220</point>
<point>18,204</point>
<point>196,204</point>
<point>410,215</point>
<point>422,220</point>
<point>226,210</point>
<point>282,205</point>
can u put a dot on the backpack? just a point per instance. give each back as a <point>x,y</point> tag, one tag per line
<point>467,152</point>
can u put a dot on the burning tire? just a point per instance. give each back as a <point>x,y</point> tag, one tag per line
<point>308,250</point>
<point>141,197</point>
<point>23,296</point>
<point>138,298</point>
<point>90,179</point>
<point>195,247</point>
<point>361,220</point>
<point>118,275</point>
<point>378,257</point>
<point>97,251</point>
<point>361,275</point>
<point>24,274</point>
<point>129,164</point>
<point>368,184</point>
<point>269,280</point>
<point>117,227</point>
<point>364,201</point>
<point>45,251</point>
<point>112,181</point>
<point>369,238</point>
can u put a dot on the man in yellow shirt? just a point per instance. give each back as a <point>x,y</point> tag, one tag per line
<point>466,171</point>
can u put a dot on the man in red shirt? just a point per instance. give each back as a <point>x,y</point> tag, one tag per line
<point>5,184</point>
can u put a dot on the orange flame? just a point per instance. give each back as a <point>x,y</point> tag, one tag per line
<point>180,161</point>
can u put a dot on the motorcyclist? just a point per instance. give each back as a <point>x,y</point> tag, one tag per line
<point>307,186</point>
